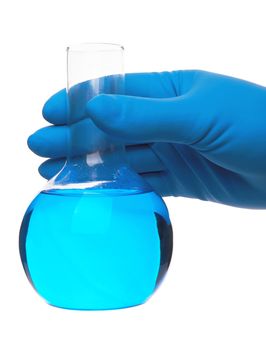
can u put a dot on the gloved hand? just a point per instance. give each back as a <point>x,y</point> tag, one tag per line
<point>189,133</point>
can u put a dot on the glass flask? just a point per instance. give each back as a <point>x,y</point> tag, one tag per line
<point>97,236</point>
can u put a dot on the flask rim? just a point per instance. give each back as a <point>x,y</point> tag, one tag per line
<point>94,47</point>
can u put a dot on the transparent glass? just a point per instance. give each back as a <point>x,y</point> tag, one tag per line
<point>97,237</point>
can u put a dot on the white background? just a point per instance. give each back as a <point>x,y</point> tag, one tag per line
<point>214,296</point>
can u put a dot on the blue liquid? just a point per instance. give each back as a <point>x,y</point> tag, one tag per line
<point>96,250</point>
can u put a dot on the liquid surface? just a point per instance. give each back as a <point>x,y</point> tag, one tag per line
<point>96,250</point>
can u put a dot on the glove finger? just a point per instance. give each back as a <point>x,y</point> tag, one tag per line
<point>55,108</point>
<point>141,158</point>
<point>49,142</point>
<point>145,120</point>
<point>51,167</point>
<point>54,141</point>
<point>154,84</point>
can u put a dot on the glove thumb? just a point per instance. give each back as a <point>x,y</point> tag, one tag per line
<point>141,119</point>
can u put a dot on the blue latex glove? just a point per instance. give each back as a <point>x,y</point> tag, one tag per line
<point>189,133</point>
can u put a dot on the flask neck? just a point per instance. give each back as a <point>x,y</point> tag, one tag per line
<point>90,72</point>
<point>98,170</point>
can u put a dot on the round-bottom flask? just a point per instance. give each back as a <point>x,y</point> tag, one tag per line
<point>97,237</point>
